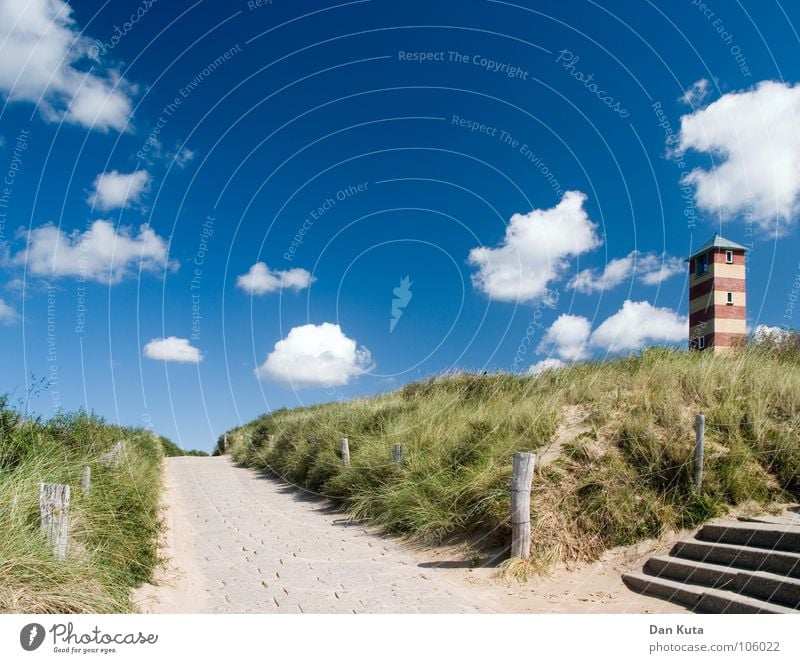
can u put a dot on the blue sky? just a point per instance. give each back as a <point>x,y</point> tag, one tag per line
<point>209,208</point>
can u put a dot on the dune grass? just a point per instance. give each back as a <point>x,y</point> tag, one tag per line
<point>113,529</point>
<point>623,476</point>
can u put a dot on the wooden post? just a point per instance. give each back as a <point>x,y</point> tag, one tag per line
<point>397,454</point>
<point>114,457</point>
<point>54,513</point>
<point>521,480</point>
<point>270,441</point>
<point>344,445</point>
<point>86,479</point>
<point>225,444</point>
<point>699,443</point>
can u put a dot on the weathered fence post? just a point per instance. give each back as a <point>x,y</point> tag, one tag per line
<point>521,480</point>
<point>397,454</point>
<point>699,443</point>
<point>270,441</point>
<point>344,446</point>
<point>114,457</point>
<point>86,479</point>
<point>54,513</point>
<point>224,444</point>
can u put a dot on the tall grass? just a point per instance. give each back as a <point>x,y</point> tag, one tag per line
<point>113,529</point>
<point>625,473</point>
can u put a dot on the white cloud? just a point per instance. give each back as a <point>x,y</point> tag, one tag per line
<point>183,157</point>
<point>535,250</point>
<point>173,348</point>
<point>697,93</point>
<point>549,364</point>
<point>315,356</point>
<point>754,137</point>
<point>114,190</point>
<point>764,333</point>
<point>101,253</point>
<point>42,52</point>
<point>638,324</point>
<point>568,337</point>
<point>8,315</point>
<point>651,269</point>
<point>261,280</point>
<point>616,271</point>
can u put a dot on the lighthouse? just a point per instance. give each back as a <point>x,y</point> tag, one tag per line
<point>717,296</point>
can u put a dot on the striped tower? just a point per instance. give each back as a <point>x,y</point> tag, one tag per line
<point>717,312</point>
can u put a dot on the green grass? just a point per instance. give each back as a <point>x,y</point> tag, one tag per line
<point>626,475</point>
<point>113,530</point>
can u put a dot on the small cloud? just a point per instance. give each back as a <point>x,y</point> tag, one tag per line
<point>638,324</point>
<point>315,356</point>
<point>696,93</point>
<point>535,251</point>
<point>568,337</point>
<point>261,280</point>
<point>8,315</point>
<point>182,158</point>
<point>173,348</point>
<point>115,190</point>
<point>650,268</point>
<point>103,253</point>
<point>549,364</point>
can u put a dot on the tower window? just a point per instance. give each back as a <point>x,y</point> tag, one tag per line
<point>730,298</point>
<point>701,342</point>
<point>729,257</point>
<point>701,265</point>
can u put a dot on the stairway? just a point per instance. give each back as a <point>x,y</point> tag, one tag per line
<point>746,566</point>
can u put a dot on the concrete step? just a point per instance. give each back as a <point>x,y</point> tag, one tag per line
<point>786,519</point>
<point>757,584</point>
<point>743,557</point>
<point>761,535</point>
<point>699,598</point>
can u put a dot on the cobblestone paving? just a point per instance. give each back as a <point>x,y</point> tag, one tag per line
<point>262,546</point>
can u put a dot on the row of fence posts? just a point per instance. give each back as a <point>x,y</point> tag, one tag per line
<point>54,499</point>
<point>521,482</point>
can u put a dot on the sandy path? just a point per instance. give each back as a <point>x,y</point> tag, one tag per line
<point>239,542</point>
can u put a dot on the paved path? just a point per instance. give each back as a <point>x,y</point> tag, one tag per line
<point>241,542</point>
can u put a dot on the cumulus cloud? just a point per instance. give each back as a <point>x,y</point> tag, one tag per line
<point>638,324</point>
<point>261,280</point>
<point>754,137</point>
<point>549,364</point>
<point>650,268</point>
<point>535,250</point>
<point>173,348</point>
<point>568,337</point>
<point>315,356</point>
<point>634,326</point>
<point>115,190</point>
<point>697,93</point>
<point>766,333</point>
<point>8,315</point>
<point>42,52</point>
<point>102,253</point>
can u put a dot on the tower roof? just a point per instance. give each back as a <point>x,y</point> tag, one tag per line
<point>717,242</point>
